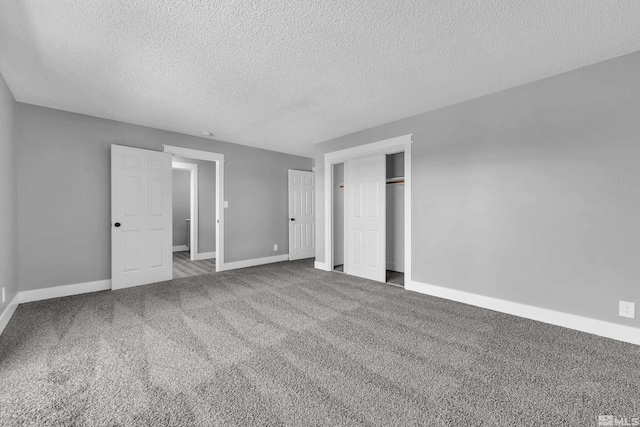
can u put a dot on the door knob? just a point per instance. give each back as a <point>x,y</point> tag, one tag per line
<point>293,219</point>
<point>117,224</point>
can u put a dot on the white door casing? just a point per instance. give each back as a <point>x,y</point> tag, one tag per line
<point>218,158</point>
<point>365,226</point>
<point>302,215</point>
<point>141,214</point>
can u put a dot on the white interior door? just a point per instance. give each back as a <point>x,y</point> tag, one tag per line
<point>365,226</point>
<point>302,215</point>
<point>141,228</point>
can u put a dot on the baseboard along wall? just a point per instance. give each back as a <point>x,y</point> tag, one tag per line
<point>104,285</point>
<point>584,324</point>
<point>8,312</point>
<point>320,266</point>
<point>579,323</point>
<point>205,255</point>
<point>395,266</point>
<point>64,291</point>
<point>253,262</point>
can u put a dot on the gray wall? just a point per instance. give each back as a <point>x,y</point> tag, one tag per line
<point>8,197</point>
<point>395,165</point>
<point>181,205</point>
<point>64,186</point>
<point>529,195</point>
<point>206,204</point>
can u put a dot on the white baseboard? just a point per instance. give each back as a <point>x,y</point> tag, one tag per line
<point>205,255</point>
<point>584,324</point>
<point>8,312</point>
<point>180,248</point>
<point>64,291</point>
<point>320,265</point>
<point>254,262</point>
<point>394,266</point>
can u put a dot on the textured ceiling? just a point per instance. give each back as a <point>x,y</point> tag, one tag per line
<point>284,75</point>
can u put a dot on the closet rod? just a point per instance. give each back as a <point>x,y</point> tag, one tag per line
<point>389,181</point>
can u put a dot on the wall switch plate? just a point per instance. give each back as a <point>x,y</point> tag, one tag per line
<point>628,309</point>
<point>4,295</point>
<point>226,203</point>
<point>275,247</point>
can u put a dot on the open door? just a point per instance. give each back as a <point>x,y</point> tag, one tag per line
<point>302,215</point>
<point>365,212</point>
<point>141,211</point>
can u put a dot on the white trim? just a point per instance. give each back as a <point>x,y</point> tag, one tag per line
<point>64,291</point>
<point>184,165</point>
<point>180,248</point>
<point>219,159</point>
<point>5,317</point>
<point>388,146</point>
<point>407,210</point>
<point>597,327</point>
<point>320,265</point>
<point>256,261</point>
<point>205,255</point>
<point>193,154</point>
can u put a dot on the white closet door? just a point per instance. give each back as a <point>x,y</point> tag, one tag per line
<point>365,186</point>
<point>141,214</point>
<point>302,215</point>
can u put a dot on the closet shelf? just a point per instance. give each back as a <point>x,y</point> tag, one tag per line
<point>396,180</point>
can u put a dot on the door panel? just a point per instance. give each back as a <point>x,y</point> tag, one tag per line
<point>301,214</point>
<point>141,203</point>
<point>365,213</point>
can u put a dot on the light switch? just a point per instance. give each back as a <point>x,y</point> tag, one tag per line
<point>226,203</point>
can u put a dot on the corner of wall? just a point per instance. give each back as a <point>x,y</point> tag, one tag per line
<point>8,204</point>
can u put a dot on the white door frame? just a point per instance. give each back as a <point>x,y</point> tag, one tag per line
<point>388,146</point>
<point>219,159</point>
<point>192,168</point>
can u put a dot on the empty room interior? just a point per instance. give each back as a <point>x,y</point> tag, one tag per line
<point>320,213</point>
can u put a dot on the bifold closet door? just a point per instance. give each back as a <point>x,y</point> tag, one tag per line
<point>365,225</point>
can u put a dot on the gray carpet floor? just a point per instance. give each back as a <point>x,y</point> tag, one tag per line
<point>184,267</point>
<point>286,344</point>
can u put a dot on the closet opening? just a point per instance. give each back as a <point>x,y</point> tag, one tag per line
<point>395,219</point>
<point>394,210</point>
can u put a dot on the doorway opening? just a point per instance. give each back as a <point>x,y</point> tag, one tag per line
<point>194,250</point>
<point>198,213</point>
<point>392,160</point>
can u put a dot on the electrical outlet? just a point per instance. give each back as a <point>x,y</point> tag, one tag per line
<point>4,295</point>
<point>275,247</point>
<point>628,309</point>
